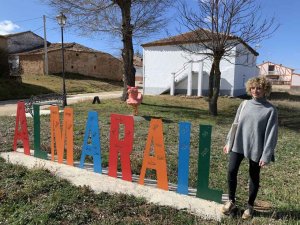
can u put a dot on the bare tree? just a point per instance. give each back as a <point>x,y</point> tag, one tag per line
<point>218,26</point>
<point>120,18</point>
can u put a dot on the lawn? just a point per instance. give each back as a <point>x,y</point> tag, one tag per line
<point>52,200</point>
<point>44,84</point>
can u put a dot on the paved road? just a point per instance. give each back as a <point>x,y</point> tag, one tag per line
<point>9,108</point>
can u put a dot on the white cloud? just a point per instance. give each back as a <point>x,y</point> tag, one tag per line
<point>7,27</point>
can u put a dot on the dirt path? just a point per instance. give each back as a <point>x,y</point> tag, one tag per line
<point>9,108</point>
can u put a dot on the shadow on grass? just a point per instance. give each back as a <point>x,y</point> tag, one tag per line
<point>284,96</point>
<point>173,107</point>
<point>280,215</point>
<point>270,214</point>
<point>75,76</point>
<point>148,118</point>
<point>289,117</point>
<point>10,90</point>
<point>188,111</point>
<point>277,95</point>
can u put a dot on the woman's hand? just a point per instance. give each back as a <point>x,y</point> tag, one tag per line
<point>262,163</point>
<point>226,149</point>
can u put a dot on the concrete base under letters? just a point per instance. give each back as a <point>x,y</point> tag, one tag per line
<point>103,183</point>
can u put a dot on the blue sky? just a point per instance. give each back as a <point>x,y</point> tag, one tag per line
<point>282,48</point>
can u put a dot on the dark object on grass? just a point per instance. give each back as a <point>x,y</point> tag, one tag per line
<point>96,99</point>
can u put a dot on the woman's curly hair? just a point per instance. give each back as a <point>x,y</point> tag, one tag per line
<point>260,81</point>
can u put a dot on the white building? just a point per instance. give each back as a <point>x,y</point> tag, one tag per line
<point>165,59</point>
<point>295,82</point>
<point>277,73</point>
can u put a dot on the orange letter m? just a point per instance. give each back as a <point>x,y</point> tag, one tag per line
<point>60,136</point>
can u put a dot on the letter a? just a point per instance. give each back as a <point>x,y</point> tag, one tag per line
<point>23,133</point>
<point>123,146</point>
<point>94,148</point>
<point>60,136</point>
<point>158,161</point>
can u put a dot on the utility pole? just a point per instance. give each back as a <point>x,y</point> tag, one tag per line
<point>45,48</point>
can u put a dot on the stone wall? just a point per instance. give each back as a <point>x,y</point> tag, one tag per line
<point>95,64</point>
<point>31,64</point>
<point>3,44</point>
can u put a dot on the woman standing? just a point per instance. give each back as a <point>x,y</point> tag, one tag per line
<point>255,139</point>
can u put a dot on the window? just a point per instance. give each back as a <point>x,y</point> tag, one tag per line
<point>271,67</point>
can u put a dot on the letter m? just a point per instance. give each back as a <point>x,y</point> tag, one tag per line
<point>58,136</point>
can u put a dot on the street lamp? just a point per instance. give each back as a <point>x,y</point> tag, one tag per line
<point>61,19</point>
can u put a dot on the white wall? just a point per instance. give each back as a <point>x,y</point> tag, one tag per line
<point>295,80</point>
<point>227,76</point>
<point>161,61</point>
<point>245,69</point>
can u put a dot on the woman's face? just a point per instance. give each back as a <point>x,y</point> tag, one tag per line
<point>257,91</point>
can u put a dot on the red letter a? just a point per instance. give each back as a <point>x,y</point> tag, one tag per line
<point>23,133</point>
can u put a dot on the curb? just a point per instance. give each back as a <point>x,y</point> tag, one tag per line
<point>103,183</point>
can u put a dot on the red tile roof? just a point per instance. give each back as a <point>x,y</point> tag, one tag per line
<point>191,37</point>
<point>57,46</point>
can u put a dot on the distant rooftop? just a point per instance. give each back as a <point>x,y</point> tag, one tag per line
<point>67,46</point>
<point>191,37</point>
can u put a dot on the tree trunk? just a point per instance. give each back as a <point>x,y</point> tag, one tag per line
<point>127,51</point>
<point>214,86</point>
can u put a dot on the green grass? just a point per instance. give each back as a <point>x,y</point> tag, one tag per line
<point>38,197</point>
<point>44,84</point>
<point>279,181</point>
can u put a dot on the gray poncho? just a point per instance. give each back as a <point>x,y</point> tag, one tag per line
<point>256,135</point>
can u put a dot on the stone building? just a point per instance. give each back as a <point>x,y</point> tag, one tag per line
<point>12,44</point>
<point>26,56</point>
<point>78,59</point>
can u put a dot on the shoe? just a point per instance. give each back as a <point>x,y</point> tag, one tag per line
<point>228,207</point>
<point>248,213</point>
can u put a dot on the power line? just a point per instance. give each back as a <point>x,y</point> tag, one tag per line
<point>38,29</point>
<point>20,21</point>
<point>51,18</point>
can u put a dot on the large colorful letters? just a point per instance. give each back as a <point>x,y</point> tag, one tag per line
<point>203,191</point>
<point>23,133</point>
<point>122,146</point>
<point>37,134</point>
<point>158,160</point>
<point>59,136</point>
<point>184,157</point>
<point>94,148</point>
<point>121,143</point>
